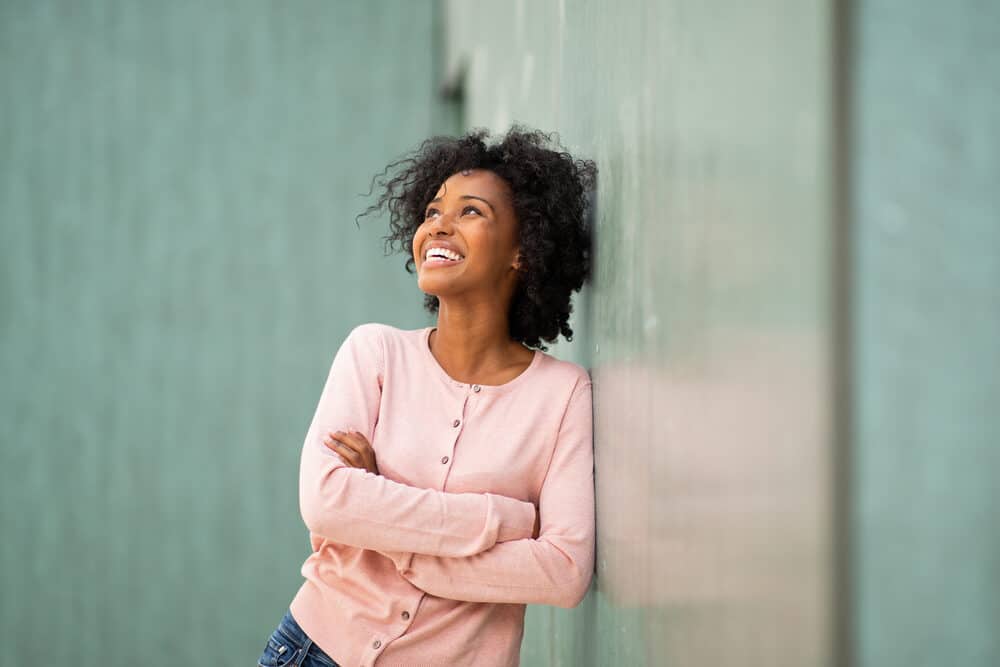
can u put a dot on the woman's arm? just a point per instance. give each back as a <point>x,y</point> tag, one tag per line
<point>556,568</point>
<point>355,507</point>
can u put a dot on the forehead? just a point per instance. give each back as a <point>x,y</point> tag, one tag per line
<point>481,182</point>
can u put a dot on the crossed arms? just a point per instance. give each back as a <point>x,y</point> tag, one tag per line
<point>462,546</point>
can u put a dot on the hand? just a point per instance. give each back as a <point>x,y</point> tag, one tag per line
<point>353,448</point>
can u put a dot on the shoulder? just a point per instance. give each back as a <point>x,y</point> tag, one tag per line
<point>386,336</point>
<point>366,335</point>
<point>372,344</point>
<point>367,330</point>
<point>382,330</point>
<point>571,388</point>
<point>387,340</point>
<point>568,375</point>
<point>365,340</point>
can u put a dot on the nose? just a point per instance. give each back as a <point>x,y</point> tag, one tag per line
<point>438,225</point>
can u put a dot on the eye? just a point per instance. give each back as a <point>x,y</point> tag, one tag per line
<point>429,212</point>
<point>471,208</point>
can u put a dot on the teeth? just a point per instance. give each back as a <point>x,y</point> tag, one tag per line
<point>443,252</point>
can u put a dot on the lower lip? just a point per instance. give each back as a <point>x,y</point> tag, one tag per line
<point>440,262</point>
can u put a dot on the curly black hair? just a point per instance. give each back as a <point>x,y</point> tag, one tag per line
<point>551,196</point>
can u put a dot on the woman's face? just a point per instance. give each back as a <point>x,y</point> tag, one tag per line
<point>471,215</point>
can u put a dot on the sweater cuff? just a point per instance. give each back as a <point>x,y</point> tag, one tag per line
<point>517,517</point>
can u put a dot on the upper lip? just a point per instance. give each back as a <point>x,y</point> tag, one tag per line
<point>441,244</point>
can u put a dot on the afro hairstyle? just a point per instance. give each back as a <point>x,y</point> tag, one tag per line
<point>551,200</point>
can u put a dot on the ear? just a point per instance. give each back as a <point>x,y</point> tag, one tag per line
<point>517,260</point>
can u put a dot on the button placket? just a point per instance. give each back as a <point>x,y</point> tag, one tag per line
<point>455,424</point>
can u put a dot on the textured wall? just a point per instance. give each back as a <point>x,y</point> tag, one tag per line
<point>179,262</point>
<point>708,328</point>
<point>795,325</point>
<point>927,329</point>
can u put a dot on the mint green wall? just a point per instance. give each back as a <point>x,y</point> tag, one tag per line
<point>178,186</point>
<point>709,325</point>
<point>179,261</point>
<point>927,266</point>
<point>795,325</point>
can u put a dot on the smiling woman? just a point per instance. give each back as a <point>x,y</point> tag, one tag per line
<point>447,478</point>
<point>523,198</point>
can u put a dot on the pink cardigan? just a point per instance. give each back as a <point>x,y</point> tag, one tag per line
<point>431,562</point>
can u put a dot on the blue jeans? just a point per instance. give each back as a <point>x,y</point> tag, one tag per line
<point>289,645</point>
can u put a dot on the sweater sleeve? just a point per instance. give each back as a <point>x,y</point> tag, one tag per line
<point>358,508</point>
<point>554,569</point>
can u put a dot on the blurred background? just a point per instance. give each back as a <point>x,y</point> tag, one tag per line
<point>793,328</point>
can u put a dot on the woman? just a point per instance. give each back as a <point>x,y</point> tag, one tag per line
<point>447,476</point>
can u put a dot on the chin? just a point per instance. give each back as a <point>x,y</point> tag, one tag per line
<point>432,286</point>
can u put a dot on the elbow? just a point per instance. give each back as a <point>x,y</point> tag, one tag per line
<point>318,499</point>
<point>311,516</point>
<point>579,566</point>
<point>573,592</point>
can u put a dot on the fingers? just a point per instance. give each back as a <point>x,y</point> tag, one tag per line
<point>352,447</point>
<point>349,456</point>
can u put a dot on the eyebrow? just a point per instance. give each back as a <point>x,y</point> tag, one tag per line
<point>437,199</point>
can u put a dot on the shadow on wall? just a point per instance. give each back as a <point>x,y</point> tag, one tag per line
<point>716,532</point>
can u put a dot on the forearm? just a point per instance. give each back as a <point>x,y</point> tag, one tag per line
<point>556,568</point>
<point>551,570</point>
<point>355,507</point>
<point>362,509</point>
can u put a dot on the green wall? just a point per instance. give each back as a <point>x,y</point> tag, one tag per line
<point>709,324</point>
<point>927,328</point>
<point>179,262</point>
<point>793,327</point>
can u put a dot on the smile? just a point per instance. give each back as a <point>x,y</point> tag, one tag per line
<point>440,261</point>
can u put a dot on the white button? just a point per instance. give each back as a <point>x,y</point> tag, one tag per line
<point>476,387</point>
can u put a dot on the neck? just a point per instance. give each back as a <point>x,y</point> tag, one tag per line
<point>470,345</point>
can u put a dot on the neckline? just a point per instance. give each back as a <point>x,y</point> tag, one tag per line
<point>440,371</point>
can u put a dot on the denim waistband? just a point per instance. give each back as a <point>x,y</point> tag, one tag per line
<point>292,629</point>
<point>289,627</point>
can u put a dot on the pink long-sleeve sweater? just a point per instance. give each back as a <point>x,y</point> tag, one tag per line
<point>431,562</point>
